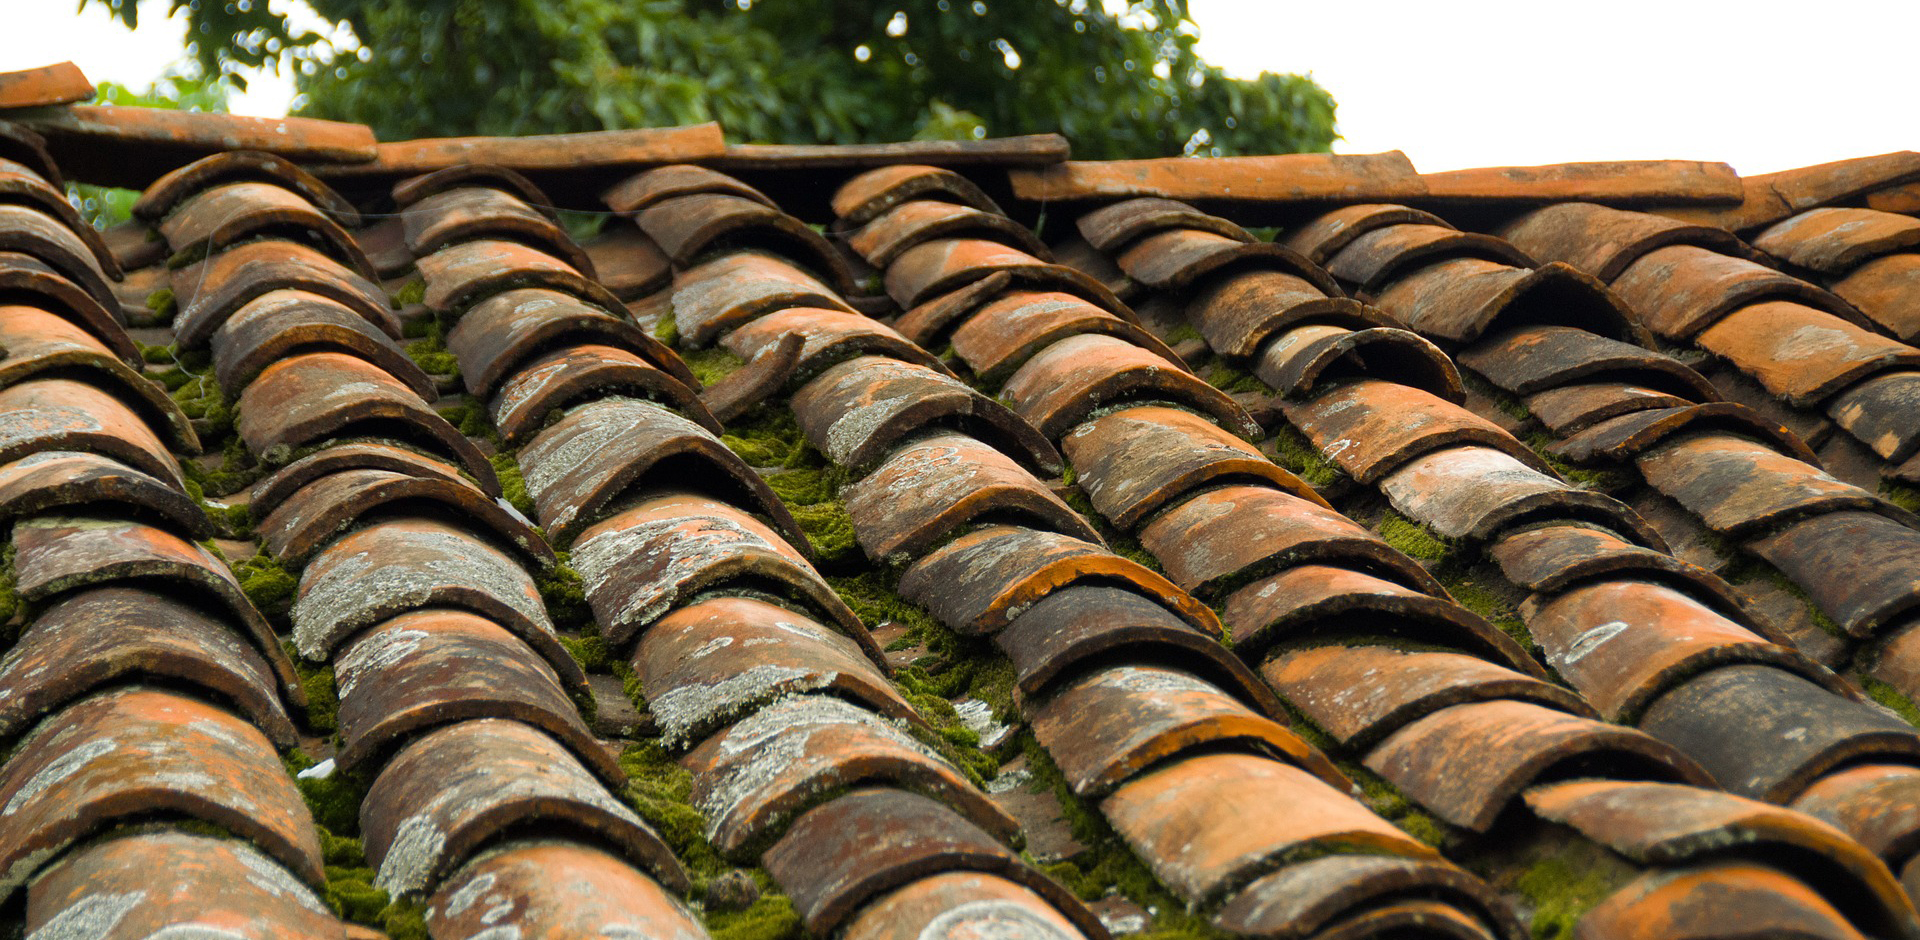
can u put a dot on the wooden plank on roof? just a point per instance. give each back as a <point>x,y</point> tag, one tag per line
<point>1293,177</point>
<point>1027,150</point>
<point>1770,197</point>
<point>643,146</point>
<point>1617,183</point>
<point>60,83</point>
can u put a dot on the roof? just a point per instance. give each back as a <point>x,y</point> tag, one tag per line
<point>926,539</point>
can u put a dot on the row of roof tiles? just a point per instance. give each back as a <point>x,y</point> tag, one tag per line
<point>1176,740</point>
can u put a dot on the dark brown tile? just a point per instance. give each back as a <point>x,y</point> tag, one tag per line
<point>1379,255</point>
<point>866,196</point>
<point>31,232</point>
<point>1475,492</point>
<point>575,375</point>
<point>932,268</point>
<point>1835,241</point>
<point>1176,259</point>
<point>1574,408</point>
<point>240,166</point>
<point>857,411</point>
<point>1680,290</point>
<point>1067,382</point>
<point>281,323</point>
<point>642,191</point>
<point>230,213</point>
<point>1302,899</point>
<point>213,290</point>
<point>1326,235</point>
<point>714,297</point>
<point>459,276</point>
<point>688,227</point>
<point>1296,362</point>
<point>476,212</point>
<point>1536,358</point>
<point>942,482</point>
<point>1633,434</point>
<point>1135,461</point>
<point>1371,427</point>
<point>360,455</point>
<point>827,337</point>
<point>500,333</point>
<point>1879,556</point>
<point>75,481</point>
<point>908,224</point>
<point>1740,488</point>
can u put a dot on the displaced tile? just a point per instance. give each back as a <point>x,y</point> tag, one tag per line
<point>1662,823</point>
<point>1299,900</point>
<point>1574,408</point>
<point>824,337</point>
<point>1765,732</point>
<point>1635,433</point>
<point>752,778</point>
<point>93,638</point>
<point>718,658</point>
<point>644,560</point>
<point>1176,259</point>
<point>857,411</point>
<point>581,465</point>
<point>574,375</point>
<point>1468,763</point>
<point>211,291</point>
<point>1238,312</point>
<point>839,856</point>
<point>1067,382</point>
<point>1879,413</point>
<point>1537,358</point>
<point>1362,693</point>
<point>932,268</point>
<point>459,276</point>
<point>448,793</point>
<point>499,333</point>
<point>136,751</point>
<point>556,889</point>
<point>628,262</point>
<point>148,884</point>
<point>1835,241</point>
<point>979,582</point>
<point>956,906</point>
<point>1801,353</point>
<point>1309,599</point>
<point>1458,300</point>
<point>941,483</point>
<point>1082,623</point>
<point>1211,823</point>
<point>1111,724</point>
<point>1877,804</point>
<point>426,668</point>
<point>281,323</point>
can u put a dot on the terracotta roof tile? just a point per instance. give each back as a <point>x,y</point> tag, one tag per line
<point>181,882</point>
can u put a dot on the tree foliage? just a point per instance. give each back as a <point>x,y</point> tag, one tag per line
<point>106,206</point>
<point>786,71</point>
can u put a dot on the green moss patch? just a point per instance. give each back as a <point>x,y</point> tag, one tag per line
<point>513,486</point>
<point>1290,449</point>
<point>1413,539</point>
<point>268,584</point>
<point>712,364</point>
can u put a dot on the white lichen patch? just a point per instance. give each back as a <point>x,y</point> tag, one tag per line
<point>60,768</point>
<point>89,918</point>
<point>683,710</point>
<point>993,920</point>
<point>413,855</point>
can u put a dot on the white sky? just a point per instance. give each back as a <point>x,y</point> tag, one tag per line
<point>1763,85</point>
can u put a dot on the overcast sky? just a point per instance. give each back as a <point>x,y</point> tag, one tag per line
<point>1761,85</point>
